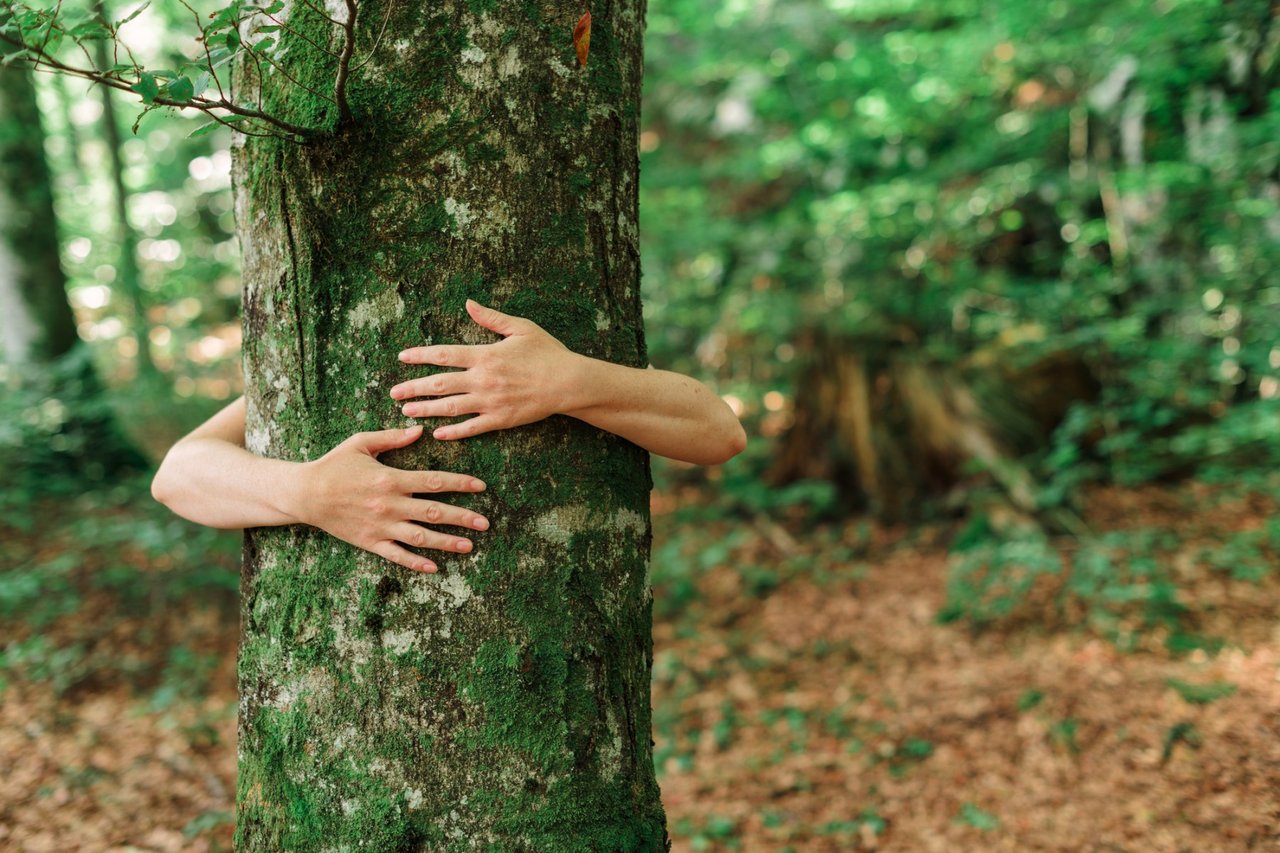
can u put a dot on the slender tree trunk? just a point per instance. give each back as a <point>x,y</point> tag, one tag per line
<point>503,703</point>
<point>128,277</point>
<point>36,322</point>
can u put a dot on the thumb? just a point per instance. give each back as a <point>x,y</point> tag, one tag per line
<point>492,319</point>
<point>383,440</point>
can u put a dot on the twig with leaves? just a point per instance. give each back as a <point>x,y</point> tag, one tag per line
<point>37,35</point>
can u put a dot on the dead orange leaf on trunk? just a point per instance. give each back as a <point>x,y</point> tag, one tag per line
<point>582,38</point>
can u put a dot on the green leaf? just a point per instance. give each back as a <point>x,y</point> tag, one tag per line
<point>204,129</point>
<point>89,30</point>
<point>148,88</point>
<point>182,89</point>
<point>135,13</point>
<point>222,18</point>
<point>233,39</point>
<point>1202,694</point>
<point>1183,732</point>
<point>977,818</point>
<point>137,121</point>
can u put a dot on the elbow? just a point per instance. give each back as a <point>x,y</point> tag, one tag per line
<point>162,486</point>
<point>737,440</point>
<point>733,443</point>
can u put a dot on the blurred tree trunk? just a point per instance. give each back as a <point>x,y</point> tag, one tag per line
<point>128,280</point>
<point>36,322</point>
<point>896,429</point>
<point>503,703</point>
<point>74,165</point>
<point>38,326</point>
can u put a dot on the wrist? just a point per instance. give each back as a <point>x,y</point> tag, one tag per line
<point>291,491</point>
<point>580,383</point>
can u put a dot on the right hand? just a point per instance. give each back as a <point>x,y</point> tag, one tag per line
<point>351,495</point>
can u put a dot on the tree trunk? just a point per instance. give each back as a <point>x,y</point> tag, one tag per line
<point>37,327</point>
<point>36,322</point>
<point>503,703</point>
<point>128,277</point>
<point>898,429</point>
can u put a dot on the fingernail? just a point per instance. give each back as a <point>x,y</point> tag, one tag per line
<point>440,433</point>
<point>404,356</point>
<point>407,411</point>
<point>428,567</point>
<point>478,485</point>
<point>413,428</point>
<point>464,544</point>
<point>395,393</point>
<point>480,524</point>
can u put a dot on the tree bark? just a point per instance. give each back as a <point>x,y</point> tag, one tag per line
<point>503,703</point>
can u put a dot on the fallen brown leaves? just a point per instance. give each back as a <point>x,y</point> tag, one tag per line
<point>831,712</point>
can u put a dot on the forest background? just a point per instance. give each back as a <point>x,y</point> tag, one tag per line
<point>995,288</point>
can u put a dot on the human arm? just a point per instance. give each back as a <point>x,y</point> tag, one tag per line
<point>209,477</point>
<point>529,375</point>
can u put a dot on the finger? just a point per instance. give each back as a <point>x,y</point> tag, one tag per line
<point>381,441</point>
<point>453,382</point>
<point>434,512</point>
<point>445,407</point>
<point>494,320</point>
<point>417,482</point>
<point>446,355</point>
<point>418,536</point>
<point>404,557</point>
<point>466,429</point>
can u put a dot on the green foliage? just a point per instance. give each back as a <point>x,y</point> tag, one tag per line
<point>1120,583</point>
<point>1183,732</point>
<point>58,434</point>
<point>990,578</point>
<point>1202,694</point>
<point>1090,176</point>
<point>977,818</point>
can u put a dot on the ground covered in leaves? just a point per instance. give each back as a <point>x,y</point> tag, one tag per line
<point>807,697</point>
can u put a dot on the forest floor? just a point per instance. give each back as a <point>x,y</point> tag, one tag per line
<point>819,707</point>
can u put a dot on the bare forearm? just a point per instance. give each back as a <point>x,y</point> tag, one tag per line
<point>664,412</point>
<point>219,484</point>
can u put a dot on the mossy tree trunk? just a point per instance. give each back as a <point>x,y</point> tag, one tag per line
<point>503,703</point>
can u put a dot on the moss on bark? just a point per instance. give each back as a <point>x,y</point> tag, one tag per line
<point>503,703</point>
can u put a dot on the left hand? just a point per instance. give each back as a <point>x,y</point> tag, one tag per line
<point>523,378</point>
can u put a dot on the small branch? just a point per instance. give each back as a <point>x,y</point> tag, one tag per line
<point>373,50</point>
<point>199,103</point>
<point>204,42</point>
<point>344,64</point>
<point>49,32</point>
<point>294,80</point>
<point>321,12</point>
<point>282,25</point>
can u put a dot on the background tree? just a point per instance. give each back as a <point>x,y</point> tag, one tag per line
<point>38,324</point>
<point>38,330</point>
<point>504,701</point>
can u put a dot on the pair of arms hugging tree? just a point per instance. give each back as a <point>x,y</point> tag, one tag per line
<point>209,477</point>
